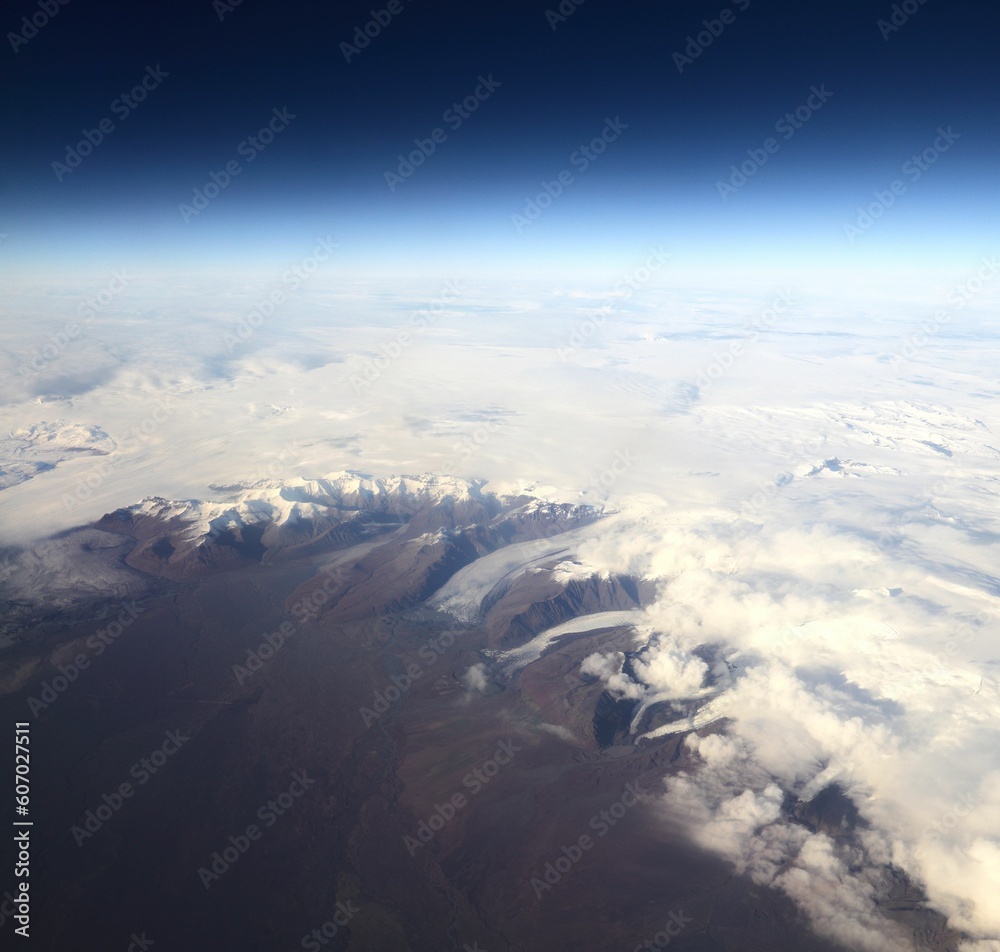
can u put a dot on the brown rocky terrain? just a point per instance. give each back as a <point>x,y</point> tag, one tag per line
<point>334,768</point>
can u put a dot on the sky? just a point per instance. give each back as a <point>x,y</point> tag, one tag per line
<point>680,93</point>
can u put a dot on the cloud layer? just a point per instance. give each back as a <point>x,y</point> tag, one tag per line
<point>819,511</point>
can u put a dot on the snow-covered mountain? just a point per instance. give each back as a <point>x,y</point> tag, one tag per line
<point>29,450</point>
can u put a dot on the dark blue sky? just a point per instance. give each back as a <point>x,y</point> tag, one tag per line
<point>664,177</point>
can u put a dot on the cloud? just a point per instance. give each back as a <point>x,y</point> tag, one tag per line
<point>670,672</point>
<point>842,662</point>
<point>733,809</point>
<point>476,679</point>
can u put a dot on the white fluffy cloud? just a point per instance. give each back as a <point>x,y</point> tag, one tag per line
<point>476,679</point>
<point>846,663</point>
